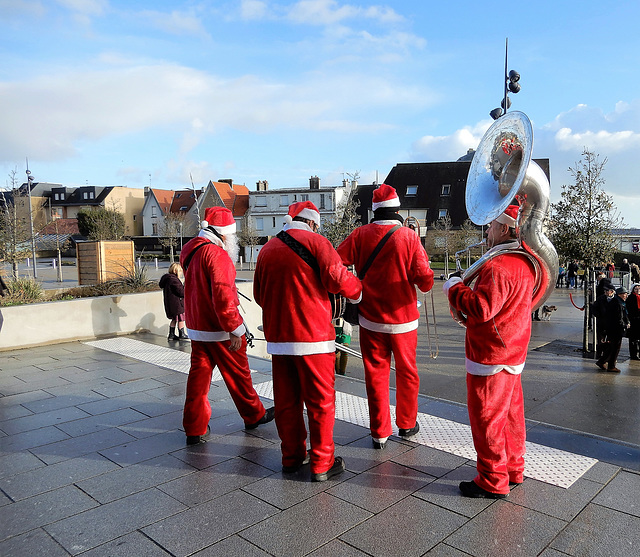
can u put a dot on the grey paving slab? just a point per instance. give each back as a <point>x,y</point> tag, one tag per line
<point>286,490</point>
<point>127,546</point>
<point>305,527</point>
<point>233,545</point>
<point>269,457</point>
<point>381,486</point>
<point>506,529</point>
<point>211,522</point>
<point>622,494</point>
<point>141,402</point>
<point>47,478</point>
<point>410,527</point>
<point>146,427</point>
<point>119,389</point>
<point>360,454</point>
<point>45,381</point>
<point>23,398</point>
<point>444,550</point>
<point>136,450</point>
<point>13,411</point>
<point>204,485</point>
<point>36,542</point>
<point>429,461</point>
<point>337,547</point>
<point>107,522</point>
<point>43,509</point>
<point>601,472</point>
<point>121,482</point>
<point>43,419</point>
<point>600,531</point>
<point>78,446</point>
<point>561,503</point>
<point>4,499</point>
<point>31,440</point>
<point>91,424</point>
<point>61,401</point>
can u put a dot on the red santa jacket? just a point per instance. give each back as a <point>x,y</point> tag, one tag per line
<point>211,297</point>
<point>498,311</point>
<point>389,299</point>
<point>296,312</point>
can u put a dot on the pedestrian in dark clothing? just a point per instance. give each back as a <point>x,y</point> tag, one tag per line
<point>572,272</point>
<point>616,324</point>
<point>633,309</point>
<point>173,291</point>
<point>606,293</point>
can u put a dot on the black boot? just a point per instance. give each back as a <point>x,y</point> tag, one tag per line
<point>182,335</point>
<point>172,333</point>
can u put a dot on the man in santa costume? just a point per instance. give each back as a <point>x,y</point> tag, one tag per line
<point>389,312</point>
<point>215,326</point>
<point>498,311</point>
<point>292,288</point>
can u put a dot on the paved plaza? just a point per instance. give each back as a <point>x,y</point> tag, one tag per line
<point>93,459</point>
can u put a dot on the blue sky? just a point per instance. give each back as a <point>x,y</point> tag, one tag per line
<point>108,92</point>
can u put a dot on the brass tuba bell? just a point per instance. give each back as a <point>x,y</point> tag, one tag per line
<point>501,171</point>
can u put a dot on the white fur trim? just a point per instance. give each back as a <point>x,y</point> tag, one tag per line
<point>506,219</point>
<point>301,348</point>
<point>450,283</point>
<point>208,336</point>
<point>356,301</point>
<point>288,219</point>
<point>229,229</point>
<point>390,328</point>
<point>211,237</point>
<point>309,214</point>
<point>204,224</point>
<point>474,368</point>
<point>297,225</point>
<point>239,331</point>
<point>395,202</point>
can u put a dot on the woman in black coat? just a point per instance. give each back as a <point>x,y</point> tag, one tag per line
<point>633,309</point>
<point>173,291</point>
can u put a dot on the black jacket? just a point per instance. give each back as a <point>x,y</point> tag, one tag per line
<point>173,290</point>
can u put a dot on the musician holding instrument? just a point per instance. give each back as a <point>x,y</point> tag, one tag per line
<point>498,310</point>
<point>389,311</point>
<point>294,273</point>
<point>215,326</point>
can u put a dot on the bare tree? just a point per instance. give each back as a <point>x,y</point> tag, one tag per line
<point>342,223</point>
<point>15,231</point>
<point>444,239</point>
<point>169,232</point>
<point>248,237</point>
<point>582,222</point>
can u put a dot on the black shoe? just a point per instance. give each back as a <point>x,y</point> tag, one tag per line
<point>472,489</point>
<point>514,484</point>
<point>197,439</point>
<point>378,444</point>
<point>182,335</point>
<point>337,468</point>
<point>410,432</point>
<point>294,468</point>
<point>268,416</point>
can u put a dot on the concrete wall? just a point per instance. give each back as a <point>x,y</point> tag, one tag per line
<point>87,318</point>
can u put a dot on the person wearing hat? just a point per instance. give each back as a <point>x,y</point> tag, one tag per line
<point>498,310</point>
<point>605,292</point>
<point>215,326</point>
<point>633,309</point>
<point>388,313</point>
<point>294,275</point>
<point>616,322</point>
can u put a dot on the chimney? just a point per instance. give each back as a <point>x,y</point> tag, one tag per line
<point>227,181</point>
<point>262,185</point>
<point>345,183</point>
<point>314,183</point>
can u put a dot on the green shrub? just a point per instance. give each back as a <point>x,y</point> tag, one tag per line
<point>22,291</point>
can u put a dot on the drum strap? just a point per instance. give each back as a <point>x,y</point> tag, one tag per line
<point>376,251</point>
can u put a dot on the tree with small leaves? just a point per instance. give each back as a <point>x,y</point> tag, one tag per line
<point>15,231</point>
<point>342,223</point>
<point>99,224</point>
<point>248,237</point>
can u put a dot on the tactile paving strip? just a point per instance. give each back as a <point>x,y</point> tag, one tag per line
<point>546,464</point>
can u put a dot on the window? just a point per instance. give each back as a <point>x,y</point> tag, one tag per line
<point>260,224</point>
<point>153,213</point>
<point>443,213</point>
<point>91,195</point>
<point>56,213</point>
<point>56,196</point>
<point>154,229</point>
<point>261,201</point>
<point>284,201</point>
<point>446,189</point>
<point>85,195</point>
<point>274,222</point>
<point>134,218</point>
<point>304,197</point>
<point>412,191</point>
<point>322,202</point>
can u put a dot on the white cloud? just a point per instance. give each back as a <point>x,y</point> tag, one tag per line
<point>20,8</point>
<point>450,147</point>
<point>253,9</point>
<point>601,141</point>
<point>85,7</point>
<point>175,22</point>
<point>329,12</point>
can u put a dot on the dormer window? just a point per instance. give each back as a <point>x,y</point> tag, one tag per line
<point>446,189</point>
<point>412,191</point>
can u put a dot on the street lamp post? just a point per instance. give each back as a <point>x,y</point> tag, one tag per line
<point>33,240</point>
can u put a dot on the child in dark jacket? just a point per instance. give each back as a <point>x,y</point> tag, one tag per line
<point>173,291</point>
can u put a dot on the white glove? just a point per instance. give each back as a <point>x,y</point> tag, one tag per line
<point>450,283</point>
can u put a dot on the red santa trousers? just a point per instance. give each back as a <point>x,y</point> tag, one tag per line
<point>376,353</point>
<point>305,380</point>
<point>496,413</point>
<point>235,371</point>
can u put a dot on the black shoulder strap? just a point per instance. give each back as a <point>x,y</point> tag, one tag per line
<point>300,250</point>
<point>189,257</point>
<point>376,251</point>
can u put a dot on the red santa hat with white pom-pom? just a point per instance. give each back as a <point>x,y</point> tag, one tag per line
<point>304,210</point>
<point>385,196</point>
<point>510,216</point>
<point>219,219</point>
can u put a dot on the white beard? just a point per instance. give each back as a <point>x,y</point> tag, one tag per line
<point>231,246</point>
